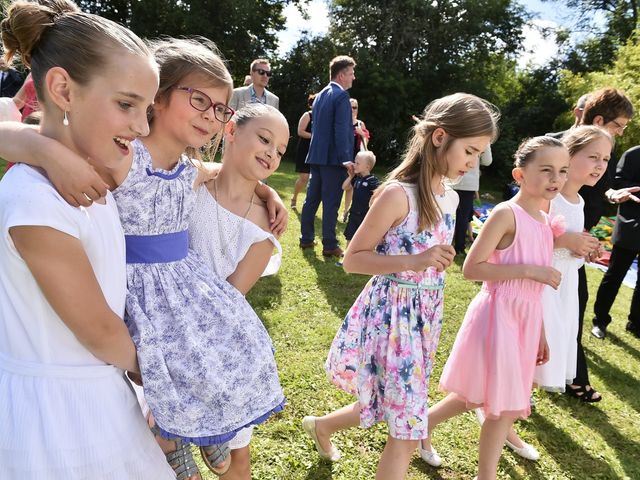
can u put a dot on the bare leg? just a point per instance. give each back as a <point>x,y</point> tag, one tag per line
<point>240,468</point>
<point>449,406</point>
<point>341,419</point>
<point>492,437</point>
<point>512,436</point>
<point>395,459</point>
<point>300,184</point>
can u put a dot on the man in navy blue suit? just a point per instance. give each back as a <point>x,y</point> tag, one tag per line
<point>331,146</point>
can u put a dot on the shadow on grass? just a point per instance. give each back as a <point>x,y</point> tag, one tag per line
<point>320,471</point>
<point>619,342</point>
<point>266,293</point>
<point>570,455</point>
<point>626,386</point>
<point>598,420</point>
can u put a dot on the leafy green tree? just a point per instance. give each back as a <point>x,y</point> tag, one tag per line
<point>623,74</point>
<point>242,29</point>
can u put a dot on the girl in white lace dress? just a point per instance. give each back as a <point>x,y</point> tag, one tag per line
<point>229,227</point>
<point>66,411</point>
<point>590,149</point>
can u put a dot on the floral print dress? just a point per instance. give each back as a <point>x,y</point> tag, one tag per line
<point>385,348</point>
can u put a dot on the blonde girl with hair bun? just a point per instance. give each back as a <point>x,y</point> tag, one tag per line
<point>67,411</point>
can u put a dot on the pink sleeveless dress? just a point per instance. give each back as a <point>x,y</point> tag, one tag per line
<point>493,359</point>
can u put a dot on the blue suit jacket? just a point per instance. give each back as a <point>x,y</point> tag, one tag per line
<point>332,133</point>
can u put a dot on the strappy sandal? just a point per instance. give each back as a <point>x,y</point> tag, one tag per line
<point>581,393</point>
<point>214,455</point>
<point>181,459</point>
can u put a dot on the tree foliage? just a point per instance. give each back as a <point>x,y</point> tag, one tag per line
<point>623,74</point>
<point>242,29</point>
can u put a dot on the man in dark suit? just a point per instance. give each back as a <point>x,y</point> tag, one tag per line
<point>331,146</point>
<point>10,80</point>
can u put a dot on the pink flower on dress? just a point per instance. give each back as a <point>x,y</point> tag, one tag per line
<point>558,225</point>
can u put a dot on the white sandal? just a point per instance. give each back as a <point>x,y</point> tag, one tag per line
<point>309,426</point>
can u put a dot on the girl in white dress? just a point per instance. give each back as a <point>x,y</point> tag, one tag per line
<point>590,149</point>
<point>66,411</point>
<point>229,226</point>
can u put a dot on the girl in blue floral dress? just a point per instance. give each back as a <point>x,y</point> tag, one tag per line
<point>384,352</point>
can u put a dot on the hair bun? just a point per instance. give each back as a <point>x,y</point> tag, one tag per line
<point>26,22</point>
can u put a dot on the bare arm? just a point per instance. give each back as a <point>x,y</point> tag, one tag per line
<point>59,264</point>
<point>498,233</point>
<point>389,209</point>
<point>278,214</point>
<point>346,185</point>
<point>303,123</point>
<point>580,243</point>
<point>251,266</point>
<point>70,174</point>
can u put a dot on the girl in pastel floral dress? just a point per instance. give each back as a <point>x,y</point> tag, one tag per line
<point>384,351</point>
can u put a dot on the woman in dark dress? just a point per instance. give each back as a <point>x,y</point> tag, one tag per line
<point>304,134</point>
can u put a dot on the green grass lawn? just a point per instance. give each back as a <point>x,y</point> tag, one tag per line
<point>303,306</point>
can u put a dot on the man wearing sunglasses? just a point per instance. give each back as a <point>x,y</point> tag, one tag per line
<point>256,91</point>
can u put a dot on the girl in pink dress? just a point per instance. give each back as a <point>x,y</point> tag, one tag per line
<point>384,352</point>
<point>502,336</point>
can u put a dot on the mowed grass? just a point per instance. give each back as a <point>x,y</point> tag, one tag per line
<point>303,306</point>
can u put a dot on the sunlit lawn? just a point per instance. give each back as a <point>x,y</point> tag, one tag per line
<point>303,306</point>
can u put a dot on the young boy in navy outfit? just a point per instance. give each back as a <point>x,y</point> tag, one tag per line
<point>363,184</point>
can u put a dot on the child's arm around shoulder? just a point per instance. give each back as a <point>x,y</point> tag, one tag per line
<point>498,233</point>
<point>76,180</point>
<point>59,264</point>
<point>257,258</point>
<point>388,210</point>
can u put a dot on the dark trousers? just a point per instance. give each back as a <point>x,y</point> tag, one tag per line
<point>582,372</point>
<point>621,260</point>
<point>325,185</point>
<point>463,213</point>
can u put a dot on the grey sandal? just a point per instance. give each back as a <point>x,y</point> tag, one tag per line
<point>181,459</point>
<point>214,455</point>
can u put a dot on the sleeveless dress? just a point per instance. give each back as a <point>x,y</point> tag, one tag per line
<point>222,239</point>
<point>303,148</point>
<point>494,355</point>
<point>64,414</point>
<point>561,307</point>
<point>385,348</point>
<point>198,339</point>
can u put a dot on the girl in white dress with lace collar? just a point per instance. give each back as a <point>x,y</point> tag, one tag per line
<point>229,227</point>
<point>590,149</point>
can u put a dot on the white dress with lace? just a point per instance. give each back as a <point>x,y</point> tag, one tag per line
<point>222,239</point>
<point>561,305</point>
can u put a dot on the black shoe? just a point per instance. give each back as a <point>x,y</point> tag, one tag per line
<point>599,332</point>
<point>633,329</point>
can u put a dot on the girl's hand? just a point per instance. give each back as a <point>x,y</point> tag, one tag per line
<point>278,214</point>
<point>581,244</point>
<point>206,171</point>
<point>438,257</point>
<point>75,179</point>
<point>547,275</point>
<point>543,350</point>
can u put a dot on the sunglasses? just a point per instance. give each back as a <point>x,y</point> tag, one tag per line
<point>354,108</point>
<point>260,71</point>
<point>202,102</point>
